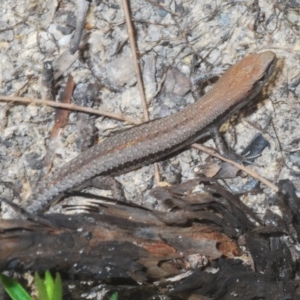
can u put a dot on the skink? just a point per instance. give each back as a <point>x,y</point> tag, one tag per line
<point>152,141</point>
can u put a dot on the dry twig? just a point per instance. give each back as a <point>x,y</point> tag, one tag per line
<point>70,106</point>
<point>250,172</point>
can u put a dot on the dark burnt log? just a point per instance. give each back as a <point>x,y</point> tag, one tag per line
<point>110,246</point>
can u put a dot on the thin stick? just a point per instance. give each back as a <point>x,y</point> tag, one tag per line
<point>138,73</point>
<point>71,107</point>
<point>250,172</point>
<point>137,68</point>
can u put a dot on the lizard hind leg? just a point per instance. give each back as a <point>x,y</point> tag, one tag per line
<point>109,183</point>
<point>99,182</point>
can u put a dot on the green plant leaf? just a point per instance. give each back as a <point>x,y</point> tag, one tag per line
<point>14,289</point>
<point>114,296</point>
<point>49,284</point>
<point>57,290</point>
<point>40,287</point>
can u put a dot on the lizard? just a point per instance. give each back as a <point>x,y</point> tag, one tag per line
<point>154,140</point>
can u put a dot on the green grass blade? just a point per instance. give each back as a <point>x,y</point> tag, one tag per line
<point>40,287</point>
<point>49,284</point>
<point>114,296</point>
<point>14,289</point>
<point>57,291</point>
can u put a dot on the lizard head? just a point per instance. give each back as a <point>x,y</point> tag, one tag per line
<point>249,75</point>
